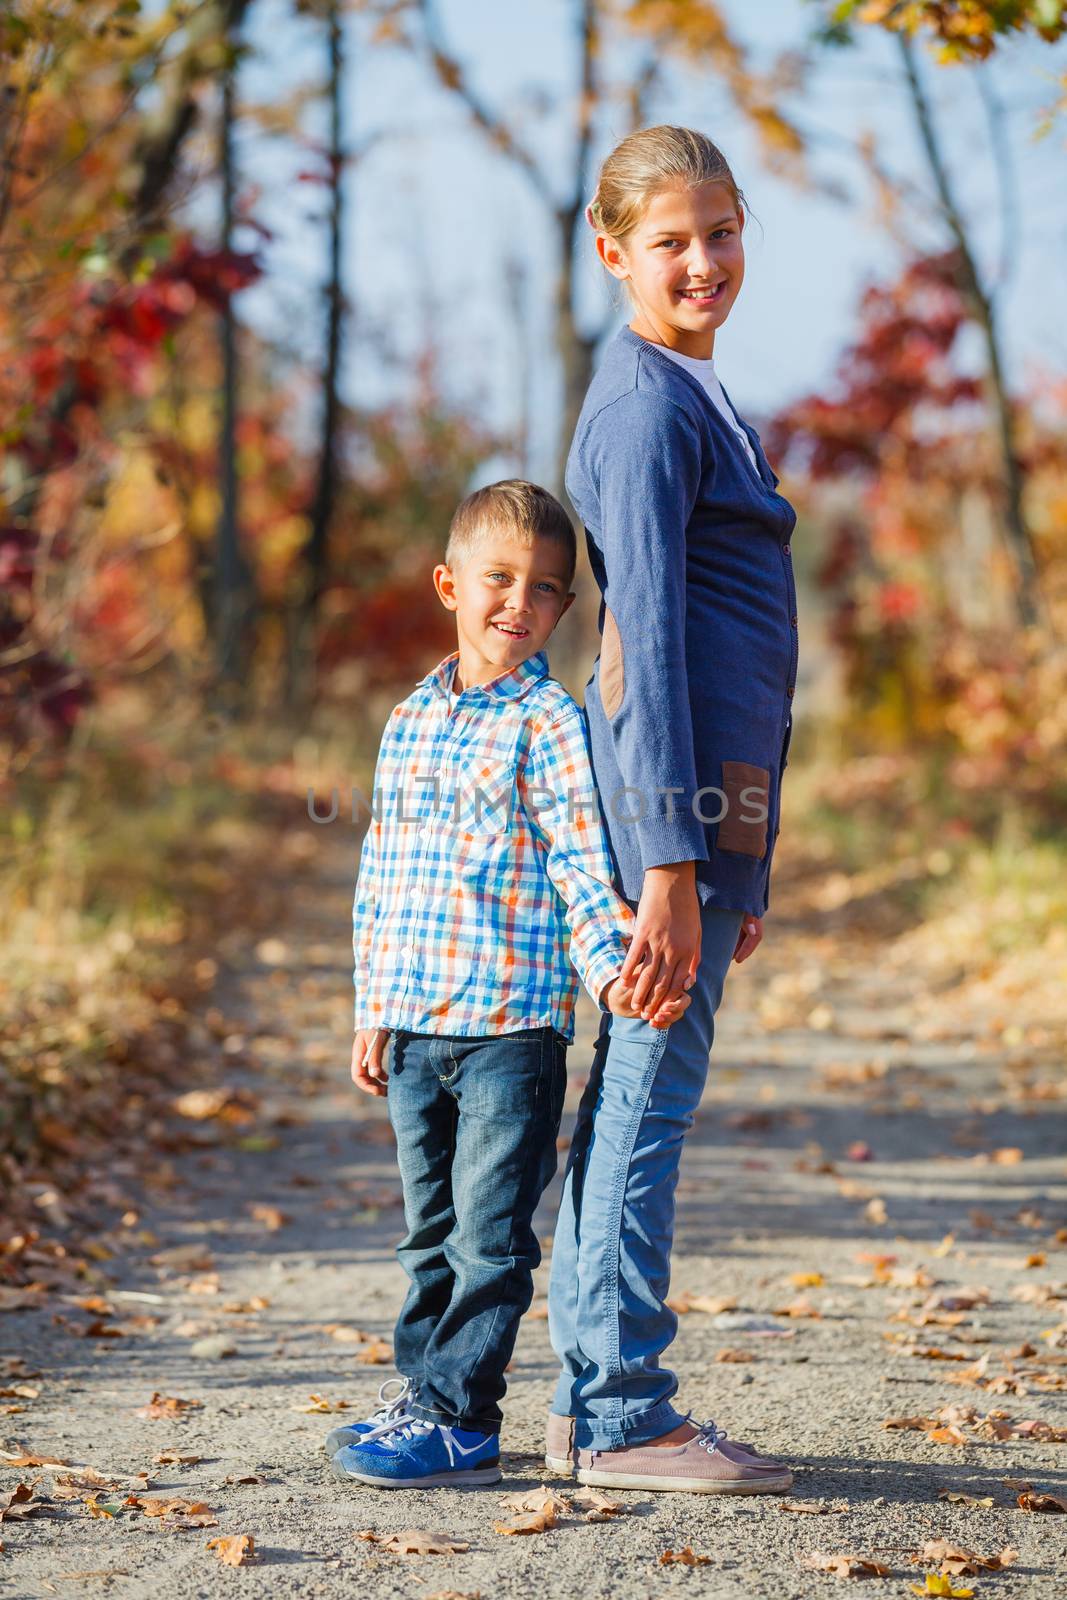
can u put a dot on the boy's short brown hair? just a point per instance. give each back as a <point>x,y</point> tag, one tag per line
<point>515,507</point>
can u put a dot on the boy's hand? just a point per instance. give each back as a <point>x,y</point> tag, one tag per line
<point>618,996</point>
<point>368,1064</point>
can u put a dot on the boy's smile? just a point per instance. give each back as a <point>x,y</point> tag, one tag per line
<point>508,597</point>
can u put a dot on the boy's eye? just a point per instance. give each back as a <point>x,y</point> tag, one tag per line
<point>505,575</point>
<point>551,587</point>
<point>666,244</point>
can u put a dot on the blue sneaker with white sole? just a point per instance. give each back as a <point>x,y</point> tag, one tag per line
<point>390,1406</point>
<point>408,1453</point>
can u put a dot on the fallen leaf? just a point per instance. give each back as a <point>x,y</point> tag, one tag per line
<point>174,1458</point>
<point>235,1479</point>
<point>806,1280</point>
<point>19,1502</point>
<point>956,1498</point>
<point>23,1456</point>
<point>234,1550</point>
<point>95,1509</point>
<point>683,1558</point>
<point>542,1499</point>
<point>165,1405</point>
<point>243,1308</point>
<point>845,1566</point>
<point>528,1522</point>
<point>958,1562</point>
<point>938,1583</point>
<point>375,1354</point>
<point>415,1542</point>
<point>1041,1500</point>
<point>184,1258</point>
<point>813,1508</point>
<point>271,1218</point>
<point>320,1404</point>
<point>598,1507</point>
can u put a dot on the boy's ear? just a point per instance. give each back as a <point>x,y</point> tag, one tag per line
<point>568,602</point>
<point>445,583</point>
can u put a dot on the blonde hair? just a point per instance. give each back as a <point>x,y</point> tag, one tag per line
<point>516,508</point>
<point>647,162</point>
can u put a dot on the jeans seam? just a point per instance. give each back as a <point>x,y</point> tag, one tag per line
<point>618,1198</point>
<point>530,1148</point>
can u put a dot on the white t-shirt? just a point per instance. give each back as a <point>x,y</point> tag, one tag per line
<point>704,372</point>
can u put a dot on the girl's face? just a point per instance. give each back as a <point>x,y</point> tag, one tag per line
<point>684,263</point>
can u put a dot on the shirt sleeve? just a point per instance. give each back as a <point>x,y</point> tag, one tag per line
<point>558,794</point>
<point>644,457</point>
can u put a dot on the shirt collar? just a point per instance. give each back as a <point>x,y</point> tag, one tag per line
<point>508,686</point>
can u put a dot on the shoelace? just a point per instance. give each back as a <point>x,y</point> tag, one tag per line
<point>391,1406</point>
<point>709,1436</point>
<point>399,1427</point>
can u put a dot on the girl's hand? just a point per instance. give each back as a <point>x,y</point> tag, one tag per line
<point>664,952</point>
<point>618,997</point>
<point>749,937</point>
<point>368,1065</point>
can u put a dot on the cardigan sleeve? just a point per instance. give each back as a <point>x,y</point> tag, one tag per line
<point>643,458</point>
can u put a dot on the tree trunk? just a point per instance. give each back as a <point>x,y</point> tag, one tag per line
<point>302,666</point>
<point>1016,532</point>
<point>232,583</point>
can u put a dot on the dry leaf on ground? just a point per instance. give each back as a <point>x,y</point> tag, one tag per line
<point>598,1507</point>
<point>959,1562</point>
<point>167,1405</point>
<point>319,1403</point>
<point>846,1566</point>
<point>683,1558</point>
<point>375,1354</point>
<point>1041,1500</point>
<point>528,1522</point>
<point>812,1508</point>
<point>415,1542</point>
<point>23,1456</point>
<point>270,1216</point>
<point>19,1502</point>
<point>941,1583</point>
<point>174,1458</point>
<point>540,1499</point>
<point>955,1497</point>
<point>233,1550</point>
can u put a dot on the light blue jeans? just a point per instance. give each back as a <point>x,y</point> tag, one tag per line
<point>607,1313</point>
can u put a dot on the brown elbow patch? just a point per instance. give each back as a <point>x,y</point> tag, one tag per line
<point>747,791</point>
<point>612,673</point>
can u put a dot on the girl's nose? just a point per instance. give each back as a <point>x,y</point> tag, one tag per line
<point>700,261</point>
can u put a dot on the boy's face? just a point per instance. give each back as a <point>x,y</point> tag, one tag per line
<point>507,598</point>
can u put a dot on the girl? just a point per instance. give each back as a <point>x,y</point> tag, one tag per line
<point>689,711</point>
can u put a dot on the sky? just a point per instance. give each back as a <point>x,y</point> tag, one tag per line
<point>441,228</point>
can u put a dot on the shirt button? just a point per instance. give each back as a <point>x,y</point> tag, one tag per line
<point>789,691</point>
<point>785,547</point>
<point>793,619</point>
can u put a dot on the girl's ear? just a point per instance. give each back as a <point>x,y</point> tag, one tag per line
<point>445,584</point>
<point>612,255</point>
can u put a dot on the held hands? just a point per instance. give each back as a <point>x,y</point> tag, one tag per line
<point>368,1060</point>
<point>618,997</point>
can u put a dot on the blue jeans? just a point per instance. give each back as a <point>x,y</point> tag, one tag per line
<point>476,1122</point>
<point>607,1315</point>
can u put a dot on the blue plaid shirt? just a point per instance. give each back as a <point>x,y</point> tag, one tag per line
<point>485,871</point>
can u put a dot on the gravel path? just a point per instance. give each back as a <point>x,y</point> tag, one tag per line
<point>863,1152</point>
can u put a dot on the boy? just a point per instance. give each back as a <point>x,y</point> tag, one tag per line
<point>486,862</point>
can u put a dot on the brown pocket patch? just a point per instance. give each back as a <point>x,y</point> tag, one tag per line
<point>739,829</point>
<point>612,674</point>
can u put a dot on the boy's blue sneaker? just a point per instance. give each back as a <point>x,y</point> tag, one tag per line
<point>392,1404</point>
<point>411,1454</point>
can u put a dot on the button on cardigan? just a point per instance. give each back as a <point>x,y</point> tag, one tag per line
<point>689,705</point>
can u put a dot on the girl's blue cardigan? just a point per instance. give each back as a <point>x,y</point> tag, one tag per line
<point>690,701</point>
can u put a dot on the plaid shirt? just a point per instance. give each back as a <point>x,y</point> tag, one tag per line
<point>485,869</point>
